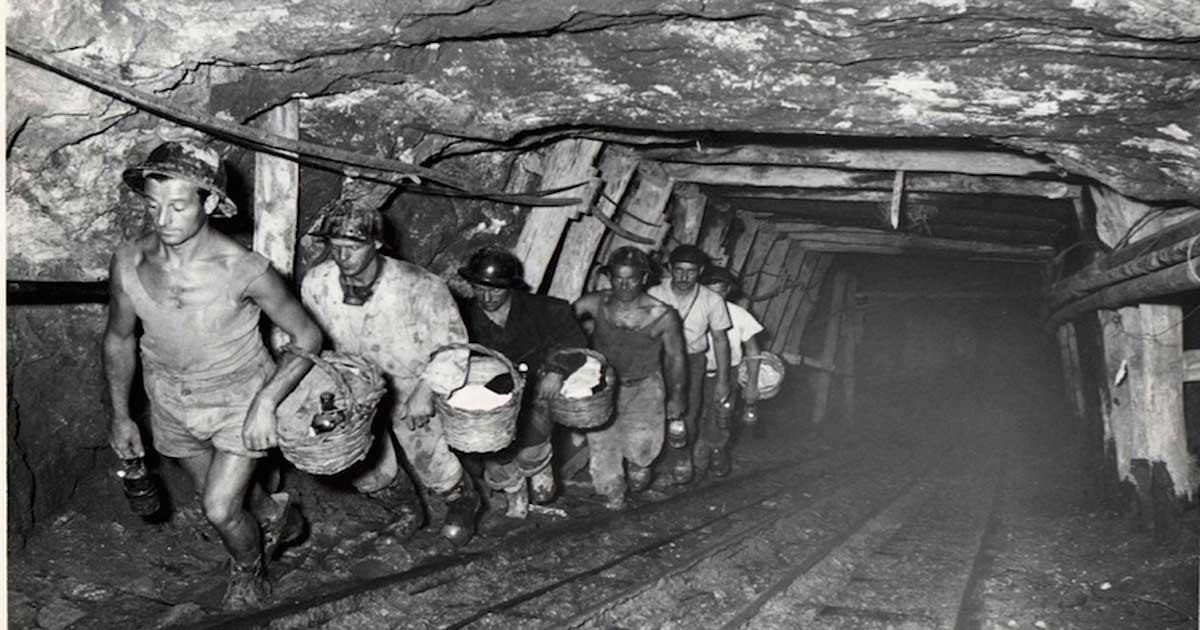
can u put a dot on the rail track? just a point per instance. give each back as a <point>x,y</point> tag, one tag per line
<point>838,542</point>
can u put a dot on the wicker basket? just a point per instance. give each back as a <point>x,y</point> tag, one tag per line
<point>486,430</point>
<point>358,385</point>
<point>768,359</point>
<point>590,412</point>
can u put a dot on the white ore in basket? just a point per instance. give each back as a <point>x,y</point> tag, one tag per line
<point>581,382</point>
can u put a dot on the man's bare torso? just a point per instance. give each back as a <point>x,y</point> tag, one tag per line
<point>188,283</point>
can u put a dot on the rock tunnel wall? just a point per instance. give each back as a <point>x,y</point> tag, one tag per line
<point>1104,89</point>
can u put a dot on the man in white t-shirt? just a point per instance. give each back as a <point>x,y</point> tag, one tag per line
<point>711,451</point>
<point>702,311</point>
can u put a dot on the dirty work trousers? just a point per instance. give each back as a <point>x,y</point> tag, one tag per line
<point>712,432</point>
<point>529,453</point>
<point>437,468</point>
<point>635,435</point>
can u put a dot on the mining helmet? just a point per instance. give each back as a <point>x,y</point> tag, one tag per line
<point>718,275</point>
<point>345,219</point>
<point>494,268</point>
<point>191,162</point>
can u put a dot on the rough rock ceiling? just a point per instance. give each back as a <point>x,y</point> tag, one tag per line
<point>1106,89</point>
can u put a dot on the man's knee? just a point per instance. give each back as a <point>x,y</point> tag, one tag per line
<point>221,510</point>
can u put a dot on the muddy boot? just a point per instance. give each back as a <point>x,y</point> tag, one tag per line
<point>462,503</point>
<point>518,502</point>
<point>283,530</point>
<point>400,500</point>
<point>719,462</point>
<point>681,469</point>
<point>541,485</point>
<point>639,478</point>
<point>248,586</point>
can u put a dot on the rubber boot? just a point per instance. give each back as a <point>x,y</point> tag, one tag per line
<point>462,504</point>
<point>719,462</point>
<point>541,485</point>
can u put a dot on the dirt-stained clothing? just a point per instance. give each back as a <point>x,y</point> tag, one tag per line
<point>409,315</point>
<point>536,326</point>
<point>202,365</point>
<point>636,432</point>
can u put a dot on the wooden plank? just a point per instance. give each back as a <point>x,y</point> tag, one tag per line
<point>642,210</point>
<point>769,278</point>
<point>808,304</point>
<point>897,200</point>
<point>880,159</point>
<point>763,243</point>
<point>1191,366</point>
<point>823,381</point>
<point>811,177</point>
<point>1121,220</point>
<point>687,214</point>
<point>567,162</point>
<point>277,202</point>
<point>578,257</point>
<point>866,240</point>
<point>741,248</point>
<point>773,319</point>
<point>804,281</point>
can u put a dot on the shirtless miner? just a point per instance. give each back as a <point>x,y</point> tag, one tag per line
<point>212,385</point>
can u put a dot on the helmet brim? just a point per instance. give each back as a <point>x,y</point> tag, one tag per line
<point>135,178</point>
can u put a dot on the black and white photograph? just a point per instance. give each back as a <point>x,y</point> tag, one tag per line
<point>608,315</point>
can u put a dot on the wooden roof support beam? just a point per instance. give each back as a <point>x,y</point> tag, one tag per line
<point>714,230</point>
<point>769,279</point>
<point>880,159</point>
<point>277,202</point>
<point>807,177</point>
<point>617,165</point>
<point>567,162</point>
<point>764,241</point>
<point>845,239</point>
<point>741,247</point>
<point>642,211</point>
<point>808,303</point>
<point>1191,366</point>
<point>773,315</point>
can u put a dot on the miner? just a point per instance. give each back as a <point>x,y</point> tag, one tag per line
<point>711,450</point>
<point>211,383</point>
<point>527,329</point>
<point>397,315</point>
<point>702,312</point>
<point>642,338</point>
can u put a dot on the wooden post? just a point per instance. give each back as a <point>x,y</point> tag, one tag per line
<point>617,165</point>
<point>1068,348</point>
<point>823,380</point>
<point>808,303</point>
<point>713,232</point>
<point>1144,353</point>
<point>687,214</point>
<point>804,281</point>
<point>277,201</point>
<point>568,162</point>
<point>757,257</point>
<point>847,345</point>
<point>897,200</point>
<point>741,248</point>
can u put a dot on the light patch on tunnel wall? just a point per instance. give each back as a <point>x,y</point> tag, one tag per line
<point>746,37</point>
<point>920,88</point>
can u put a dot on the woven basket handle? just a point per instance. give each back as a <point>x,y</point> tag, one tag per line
<point>518,381</point>
<point>339,381</point>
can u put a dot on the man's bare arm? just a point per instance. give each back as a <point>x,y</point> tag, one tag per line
<point>720,342</point>
<point>752,363</point>
<point>120,359</point>
<point>272,295</point>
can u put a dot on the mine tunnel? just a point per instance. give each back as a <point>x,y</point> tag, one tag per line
<point>966,233</point>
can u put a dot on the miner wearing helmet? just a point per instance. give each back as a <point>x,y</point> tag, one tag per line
<point>397,315</point>
<point>643,340</point>
<point>211,383</point>
<point>526,328</point>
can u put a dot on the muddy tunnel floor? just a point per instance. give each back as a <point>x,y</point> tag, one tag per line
<point>810,530</point>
